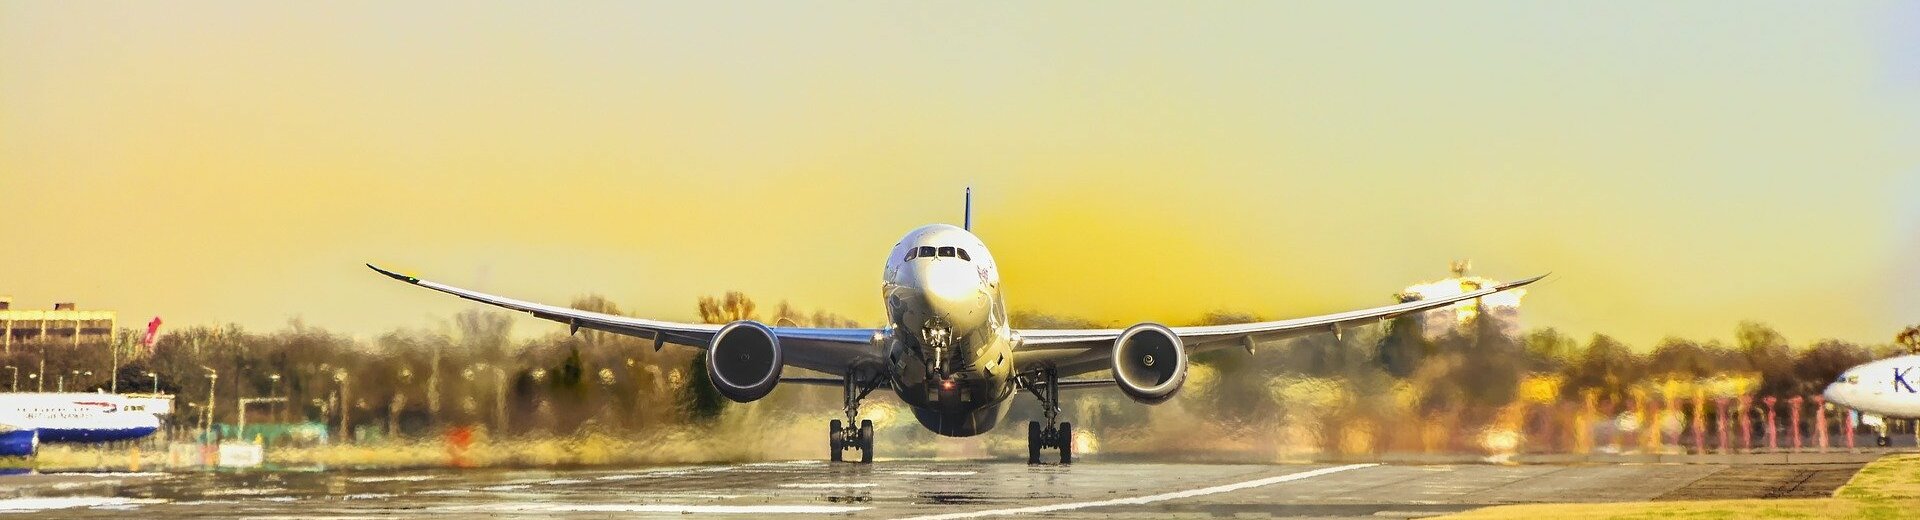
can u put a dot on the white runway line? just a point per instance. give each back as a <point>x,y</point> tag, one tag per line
<point>242,492</point>
<point>1149,498</point>
<point>30,505</point>
<point>390,478</point>
<point>507,487</point>
<point>657,508</point>
<point>936,472</point>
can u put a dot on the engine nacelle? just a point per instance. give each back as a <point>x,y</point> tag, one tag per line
<point>1149,363</point>
<point>744,361</point>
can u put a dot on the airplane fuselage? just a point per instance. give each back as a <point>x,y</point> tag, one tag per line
<point>71,417</point>
<point>1888,388</point>
<point>949,353</point>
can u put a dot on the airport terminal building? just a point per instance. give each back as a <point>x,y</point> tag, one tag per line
<point>64,323</point>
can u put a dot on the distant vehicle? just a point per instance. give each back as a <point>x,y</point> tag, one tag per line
<point>1884,389</point>
<point>947,350</point>
<point>74,417</point>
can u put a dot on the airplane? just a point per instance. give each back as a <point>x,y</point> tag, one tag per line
<point>947,350</point>
<point>28,419</point>
<point>1880,390</point>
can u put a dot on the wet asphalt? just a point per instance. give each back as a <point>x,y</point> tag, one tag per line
<point>891,489</point>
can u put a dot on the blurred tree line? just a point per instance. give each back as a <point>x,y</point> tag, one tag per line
<point>465,371</point>
<point>469,370</point>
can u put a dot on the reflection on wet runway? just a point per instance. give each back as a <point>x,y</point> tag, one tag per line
<point>930,490</point>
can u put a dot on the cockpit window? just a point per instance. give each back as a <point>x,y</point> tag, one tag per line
<point>910,253</point>
<point>947,251</point>
<point>963,255</point>
<point>926,251</point>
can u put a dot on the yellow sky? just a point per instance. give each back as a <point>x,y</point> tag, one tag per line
<point>1678,168</point>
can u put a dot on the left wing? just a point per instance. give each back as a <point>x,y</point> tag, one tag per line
<point>834,351</point>
<point>1078,351</point>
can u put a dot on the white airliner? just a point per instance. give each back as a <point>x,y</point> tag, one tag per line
<point>947,350</point>
<point>27,419</point>
<point>1880,390</point>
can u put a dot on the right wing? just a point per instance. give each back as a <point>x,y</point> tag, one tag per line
<point>1078,351</point>
<point>834,351</point>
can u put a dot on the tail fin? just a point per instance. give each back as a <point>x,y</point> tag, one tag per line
<point>966,219</point>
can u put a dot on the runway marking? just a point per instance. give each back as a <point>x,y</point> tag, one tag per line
<point>1149,498</point>
<point>242,492</point>
<point>508,487</point>
<point>448,492</point>
<point>783,464</point>
<point>28,505</point>
<point>656,508</point>
<point>936,472</point>
<point>828,485</point>
<point>390,478</point>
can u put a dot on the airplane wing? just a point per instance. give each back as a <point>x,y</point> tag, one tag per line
<point>833,351</point>
<point>1078,351</point>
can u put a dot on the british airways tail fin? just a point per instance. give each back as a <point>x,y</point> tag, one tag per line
<point>966,219</point>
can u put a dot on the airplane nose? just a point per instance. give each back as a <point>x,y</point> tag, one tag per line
<point>1835,394</point>
<point>952,289</point>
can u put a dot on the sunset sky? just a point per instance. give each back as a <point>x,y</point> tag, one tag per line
<point>1679,167</point>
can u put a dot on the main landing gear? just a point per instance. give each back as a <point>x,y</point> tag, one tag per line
<point>1045,385</point>
<point>849,438</point>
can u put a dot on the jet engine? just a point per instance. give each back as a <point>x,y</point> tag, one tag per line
<point>744,361</point>
<point>1149,363</point>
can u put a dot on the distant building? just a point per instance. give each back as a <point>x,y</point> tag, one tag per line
<point>64,323</point>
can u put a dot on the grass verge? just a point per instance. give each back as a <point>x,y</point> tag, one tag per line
<point>1886,488</point>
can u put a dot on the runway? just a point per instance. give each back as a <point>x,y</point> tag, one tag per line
<point>925,490</point>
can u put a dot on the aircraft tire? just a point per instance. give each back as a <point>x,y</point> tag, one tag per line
<point>833,440</point>
<point>1033,442</point>
<point>1066,443</point>
<point>866,441</point>
<point>1882,441</point>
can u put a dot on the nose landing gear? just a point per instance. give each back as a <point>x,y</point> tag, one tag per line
<point>1045,385</point>
<point>840,439</point>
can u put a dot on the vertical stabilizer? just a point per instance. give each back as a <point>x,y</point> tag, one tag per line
<point>966,219</point>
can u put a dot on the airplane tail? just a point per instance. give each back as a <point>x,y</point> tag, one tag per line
<point>966,218</point>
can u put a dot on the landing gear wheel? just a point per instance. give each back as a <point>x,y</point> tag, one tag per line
<point>866,441</point>
<point>834,441</point>
<point>848,438</point>
<point>1033,442</point>
<point>1065,443</point>
<point>1882,441</point>
<point>1045,385</point>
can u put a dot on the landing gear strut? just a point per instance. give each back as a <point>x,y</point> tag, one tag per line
<point>1045,384</point>
<point>849,438</point>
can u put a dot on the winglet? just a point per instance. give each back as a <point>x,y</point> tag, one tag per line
<point>394,275</point>
<point>1517,283</point>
